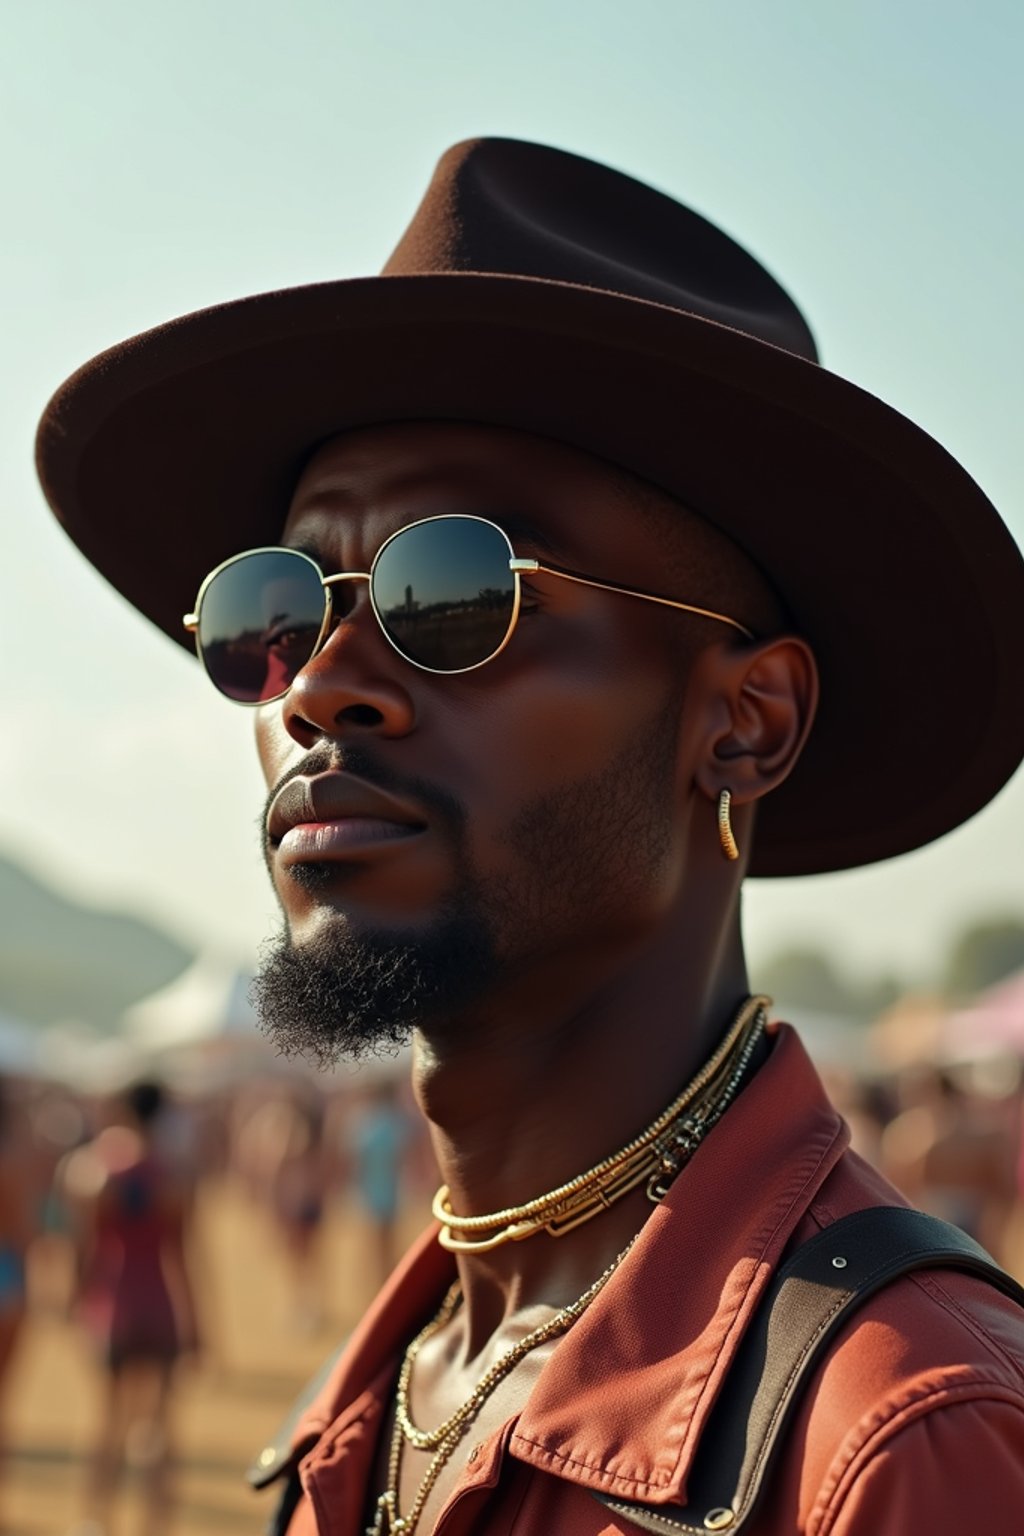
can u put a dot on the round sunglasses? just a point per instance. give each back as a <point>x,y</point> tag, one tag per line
<point>445,592</point>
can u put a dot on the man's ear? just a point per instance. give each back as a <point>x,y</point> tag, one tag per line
<point>766,697</point>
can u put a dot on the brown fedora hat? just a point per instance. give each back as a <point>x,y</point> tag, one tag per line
<point>541,291</point>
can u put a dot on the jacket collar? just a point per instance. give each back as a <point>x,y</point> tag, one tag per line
<point>620,1406</point>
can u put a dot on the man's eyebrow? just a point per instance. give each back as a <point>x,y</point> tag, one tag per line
<point>312,549</point>
<point>522,531</point>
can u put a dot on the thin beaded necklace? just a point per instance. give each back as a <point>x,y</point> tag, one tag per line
<point>444,1439</point>
<point>659,1153</point>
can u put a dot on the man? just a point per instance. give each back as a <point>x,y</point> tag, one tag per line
<point>532,553</point>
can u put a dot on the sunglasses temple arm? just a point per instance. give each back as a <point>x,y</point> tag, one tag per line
<point>526,567</point>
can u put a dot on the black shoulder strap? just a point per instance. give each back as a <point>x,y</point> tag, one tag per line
<point>810,1297</point>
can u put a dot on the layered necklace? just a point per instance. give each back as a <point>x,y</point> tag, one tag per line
<point>654,1158</point>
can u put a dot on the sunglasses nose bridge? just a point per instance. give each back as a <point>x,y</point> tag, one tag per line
<point>340,605</point>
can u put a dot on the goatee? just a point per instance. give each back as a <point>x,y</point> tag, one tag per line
<point>347,994</point>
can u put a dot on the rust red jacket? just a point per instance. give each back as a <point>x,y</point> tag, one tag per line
<point>913,1424</point>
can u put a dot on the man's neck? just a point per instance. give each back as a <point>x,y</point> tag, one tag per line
<point>551,1078</point>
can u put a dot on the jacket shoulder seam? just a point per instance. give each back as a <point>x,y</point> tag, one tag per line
<point>881,1426</point>
<point>929,1282</point>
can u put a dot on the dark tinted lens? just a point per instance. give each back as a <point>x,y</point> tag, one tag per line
<point>444,592</point>
<point>259,622</point>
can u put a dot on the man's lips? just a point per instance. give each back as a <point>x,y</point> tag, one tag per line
<point>331,815</point>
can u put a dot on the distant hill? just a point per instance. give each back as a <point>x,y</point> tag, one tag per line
<point>60,959</point>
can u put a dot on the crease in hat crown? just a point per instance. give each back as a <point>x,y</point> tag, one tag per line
<point>504,206</point>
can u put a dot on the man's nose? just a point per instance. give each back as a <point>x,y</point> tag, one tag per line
<point>353,684</point>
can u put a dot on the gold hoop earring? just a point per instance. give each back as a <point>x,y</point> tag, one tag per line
<point>725,832</point>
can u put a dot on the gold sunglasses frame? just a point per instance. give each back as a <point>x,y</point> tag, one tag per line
<point>518,565</point>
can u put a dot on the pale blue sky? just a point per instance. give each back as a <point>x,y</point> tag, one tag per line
<point>157,158</point>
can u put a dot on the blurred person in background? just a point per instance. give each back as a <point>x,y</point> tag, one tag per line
<point>245,1137</point>
<point>19,1223</point>
<point>954,1154</point>
<point>279,1154</point>
<point>534,557</point>
<point>297,1176</point>
<point>130,1207</point>
<point>58,1125</point>
<point>380,1139</point>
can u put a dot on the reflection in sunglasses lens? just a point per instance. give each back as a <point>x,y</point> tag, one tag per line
<point>259,622</point>
<point>444,592</point>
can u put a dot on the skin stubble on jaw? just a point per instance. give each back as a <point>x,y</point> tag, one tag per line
<point>584,860</point>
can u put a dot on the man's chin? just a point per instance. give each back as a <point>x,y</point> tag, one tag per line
<point>337,992</point>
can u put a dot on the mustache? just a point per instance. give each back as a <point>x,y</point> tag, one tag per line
<point>363,763</point>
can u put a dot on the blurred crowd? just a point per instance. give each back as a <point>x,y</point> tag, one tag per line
<point>98,1201</point>
<point>951,1140</point>
<point>99,1194</point>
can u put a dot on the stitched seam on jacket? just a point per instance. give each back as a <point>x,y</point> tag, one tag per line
<point>929,1282</point>
<point>613,1481</point>
<point>855,1460</point>
<point>702,1393</point>
<point>782,1400</point>
<point>637,1487</point>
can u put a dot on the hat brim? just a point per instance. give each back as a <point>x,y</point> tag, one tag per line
<point>891,560</point>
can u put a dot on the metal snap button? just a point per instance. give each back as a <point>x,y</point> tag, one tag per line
<point>719,1519</point>
<point>839,1262</point>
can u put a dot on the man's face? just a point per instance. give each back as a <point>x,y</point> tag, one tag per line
<point>511,827</point>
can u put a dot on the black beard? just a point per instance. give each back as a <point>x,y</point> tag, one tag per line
<point>346,995</point>
<point>349,993</point>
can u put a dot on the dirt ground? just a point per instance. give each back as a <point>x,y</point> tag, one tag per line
<point>229,1401</point>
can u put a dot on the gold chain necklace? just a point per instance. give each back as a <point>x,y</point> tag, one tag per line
<point>657,1155</point>
<point>443,1440</point>
<point>654,1157</point>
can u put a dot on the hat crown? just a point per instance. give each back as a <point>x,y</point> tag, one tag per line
<point>503,206</point>
<point>541,292</point>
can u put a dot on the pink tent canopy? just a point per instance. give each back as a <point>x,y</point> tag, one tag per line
<point>993,1022</point>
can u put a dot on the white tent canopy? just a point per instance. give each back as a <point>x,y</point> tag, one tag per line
<point>206,1002</point>
<point>830,1041</point>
